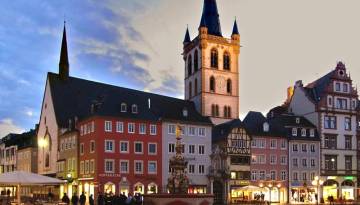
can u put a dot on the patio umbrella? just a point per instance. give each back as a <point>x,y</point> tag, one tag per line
<point>19,178</point>
<point>252,188</point>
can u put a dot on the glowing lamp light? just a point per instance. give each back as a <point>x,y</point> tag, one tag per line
<point>42,142</point>
<point>279,185</point>
<point>316,178</point>
<point>314,183</point>
<point>332,159</point>
<point>321,182</point>
<point>69,175</point>
<point>261,185</point>
<point>270,185</point>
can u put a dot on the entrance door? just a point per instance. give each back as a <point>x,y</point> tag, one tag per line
<point>218,192</point>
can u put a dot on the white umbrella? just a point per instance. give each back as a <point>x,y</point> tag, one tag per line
<point>19,178</point>
<point>252,188</point>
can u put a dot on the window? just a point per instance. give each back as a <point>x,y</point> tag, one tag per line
<point>196,61</point>
<point>109,146</point>
<point>330,122</point>
<point>212,84</point>
<point>92,146</point>
<point>304,162</point>
<point>82,167</point>
<point>347,123</point>
<point>348,144</point>
<point>214,58</point>
<point>337,87</point>
<point>312,148</point>
<point>304,176</point>
<point>124,147</point>
<point>295,162</point>
<point>107,126</point>
<point>191,169</point>
<point>273,175</point>
<point>152,129</point>
<point>294,131</point>
<point>138,147</point>
<point>304,147</point>
<point>283,175</point>
<point>303,132</point>
<point>123,107</point>
<point>345,88</point>
<point>295,147</point>
<point>202,132</point>
<point>272,159</point>
<point>190,90</point>
<point>138,166</point>
<point>331,162</point>
<point>134,108</point>
<point>142,128</point>
<point>283,144</point>
<point>87,167</point>
<point>295,176</point>
<point>171,148</point>
<point>92,166</point>
<point>201,169</point>
<point>213,111</point>
<point>201,149</point>
<point>262,143</point>
<point>312,163</point>
<point>354,104</point>
<point>195,87</point>
<point>227,112</point>
<point>152,167</point>
<point>152,149</point>
<point>253,175</point>
<point>262,175</point>
<point>348,163</point>
<point>171,129</point>
<point>283,160</point>
<point>191,149</point>
<point>341,103</point>
<point>330,101</point>
<point>273,144</point>
<point>261,159</point>
<point>109,166</point>
<point>312,133</point>
<point>120,127</point>
<point>253,143</point>
<point>131,128</point>
<point>228,86</point>
<point>81,148</point>
<point>189,67</point>
<point>330,141</point>
<point>124,166</point>
<point>217,110</point>
<point>192,131</point>
<point>226,61</point>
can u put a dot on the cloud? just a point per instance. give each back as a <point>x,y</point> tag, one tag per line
<point>7,126</point>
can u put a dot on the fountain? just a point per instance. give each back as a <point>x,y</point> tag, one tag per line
<point>178,183</point>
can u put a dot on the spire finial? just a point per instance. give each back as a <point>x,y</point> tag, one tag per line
<point>235,30</point>
<point>64,60</point>
<point>187,38</point>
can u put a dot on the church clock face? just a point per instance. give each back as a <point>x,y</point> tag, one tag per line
<point>220,83</point>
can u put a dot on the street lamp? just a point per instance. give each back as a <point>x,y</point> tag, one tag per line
<point>317,182</point>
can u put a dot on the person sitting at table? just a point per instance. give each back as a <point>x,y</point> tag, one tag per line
<point>65,199</point>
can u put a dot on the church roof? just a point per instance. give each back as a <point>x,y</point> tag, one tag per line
<point>83,98</point>
<point>210,18</point>
<point>235,30</point>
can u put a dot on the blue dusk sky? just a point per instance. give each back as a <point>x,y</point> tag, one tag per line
<point>138,44</point>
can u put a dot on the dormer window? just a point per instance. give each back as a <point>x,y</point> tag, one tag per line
<point>294,131</point>
<point>297,120</point>
<point>134,108</point>
<point>123,107</point>
<point>266,127</point>
<point>312,133</point>
<point>185,112</point>
<point>303,132</point>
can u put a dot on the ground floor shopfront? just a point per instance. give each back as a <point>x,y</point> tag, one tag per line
<point>343,188</point>
<point>300,193</point>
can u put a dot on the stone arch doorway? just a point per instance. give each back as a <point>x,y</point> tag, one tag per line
<point>218,192</point>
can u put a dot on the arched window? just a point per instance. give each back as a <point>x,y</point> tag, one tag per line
<point>189,61</point>
<point>152,188</point>
<point>109,188</point>
<point>190,90</point>
<point>196,87</point>
<point>134,108</point>
<point>212,84</point>
<point>213,111</point>
<point>226,61</point>
<point>217,110</point>
<point>123,107</point>
<point>229,112</point>
<point>228,86</point>
<point>196,61</point>
<point>214,58</point>
<point>225,111</point>
<point>139,188</point>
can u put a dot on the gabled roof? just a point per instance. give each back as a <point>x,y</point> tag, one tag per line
<point>24,140</point>
<point>210,17</point>
<point>254,122</point>
<point>221,131</point>
<point>316,89</point>
<point>81,98</point>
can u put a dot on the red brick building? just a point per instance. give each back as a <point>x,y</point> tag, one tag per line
<point>120,154</point>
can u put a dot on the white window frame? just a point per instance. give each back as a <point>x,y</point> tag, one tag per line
<point>271,159</point>
<point>113,165</point>
<point>153,172</point>
<point>142,147</point>
<point>127,166</point>
<point>123,107</point>
<point>192,131</point>
<point>189,170</point>
<point>194,151</point>
<point>119,127</point>
<point>142,128</point>
<point>172,145</point>
<point>82,166</point>
<point>92,141</point>
<point>171,129</point>
<point>92,168</point>
<point>153,129</point>
<point>152,143</point>
<point>108,126</point>
<point>82,148</point>
<point>282,157</point>
<point>127,146</point>
<point>202,133</point>
<point>273,144</point>
<point>134,109</point>
<point>312,132</point>
<point>201,145</point>
<point>283,175</point>
<point>131,124</point>
<point>199,170</point>
<point>142,166</point>
<point>303,132</point>
<point>113,146</point>
<point>294,132</point>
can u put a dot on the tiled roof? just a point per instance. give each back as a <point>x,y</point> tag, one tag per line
<point>24,140</point>
<point>316,89</point>
<point>81,98</point>
<point>210,18</point>
<point>254,122</point>
<point>221,131</point>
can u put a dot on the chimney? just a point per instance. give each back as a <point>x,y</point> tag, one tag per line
<point>149,103</point>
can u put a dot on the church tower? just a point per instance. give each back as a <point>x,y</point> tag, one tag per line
<point>211,67</point>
